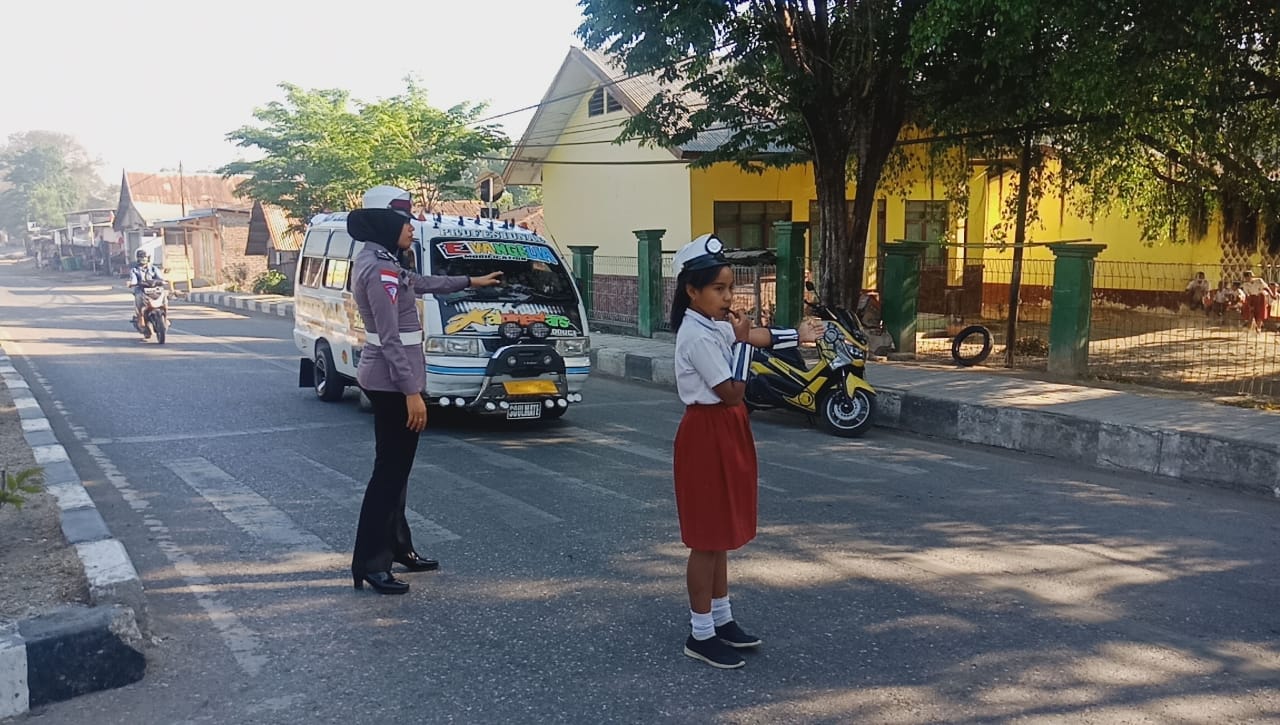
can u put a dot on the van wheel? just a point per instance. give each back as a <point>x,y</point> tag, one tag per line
<point>329,385</point>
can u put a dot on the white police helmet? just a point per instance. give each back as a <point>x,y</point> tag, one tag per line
<point>389,197</point>
<point>702,253</point>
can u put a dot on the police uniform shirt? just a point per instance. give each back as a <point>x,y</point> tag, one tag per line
<point>386,296</point>
<point>703,358</point>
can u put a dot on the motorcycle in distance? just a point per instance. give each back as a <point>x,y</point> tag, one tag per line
<point>834,389</point>
<point>155,311</point>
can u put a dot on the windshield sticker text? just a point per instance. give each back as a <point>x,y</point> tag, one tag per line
<point>490,318</point>
<point>498,250</point>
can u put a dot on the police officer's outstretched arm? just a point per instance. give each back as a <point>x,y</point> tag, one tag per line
<point>423,284</point>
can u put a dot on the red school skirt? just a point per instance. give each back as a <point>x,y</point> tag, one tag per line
<point>716,477</point>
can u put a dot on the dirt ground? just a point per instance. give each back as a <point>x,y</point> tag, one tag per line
<point>38,568</point>
<point>1183,351</point>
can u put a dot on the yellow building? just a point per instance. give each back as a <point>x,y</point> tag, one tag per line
<point>597,191</point>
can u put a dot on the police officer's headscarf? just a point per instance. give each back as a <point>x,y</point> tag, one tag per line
<point>380,226</point>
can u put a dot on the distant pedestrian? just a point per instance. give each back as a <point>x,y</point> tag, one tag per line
<point>1197,290</point>
<point>392,374</point>
<point>716,478</point>
<point>1257,296</point>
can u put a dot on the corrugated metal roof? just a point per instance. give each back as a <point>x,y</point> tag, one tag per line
<point>197,190</point>
<point>284,235</point>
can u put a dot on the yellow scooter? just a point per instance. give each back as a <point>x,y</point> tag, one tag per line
<point>834,389</point>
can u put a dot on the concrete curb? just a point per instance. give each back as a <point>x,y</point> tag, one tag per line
<point>265,304</point>
<point>1234,464</point>
<point>72,650</point>
<point>1220,461</point>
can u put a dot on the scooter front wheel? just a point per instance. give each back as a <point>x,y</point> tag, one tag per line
<point>844,415</point>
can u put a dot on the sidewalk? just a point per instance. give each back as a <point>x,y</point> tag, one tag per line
<point>1189,439</point>
<point>72,649</point>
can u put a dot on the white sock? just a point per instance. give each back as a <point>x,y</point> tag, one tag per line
<point>721,614</point>
<point>704,627</point>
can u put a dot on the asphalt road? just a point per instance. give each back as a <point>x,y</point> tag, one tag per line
<point>894,579</point>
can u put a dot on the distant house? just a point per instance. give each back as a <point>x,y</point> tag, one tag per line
<point>204,224</point>
<point>274,236</point>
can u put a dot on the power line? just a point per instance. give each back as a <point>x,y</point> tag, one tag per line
<point>576,94</point>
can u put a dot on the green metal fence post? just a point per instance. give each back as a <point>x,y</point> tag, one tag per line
<point>902,292</point>
<point>1069,317</point>
<point>649,279</point>
<point>789,306</point>
<point>584,271</point>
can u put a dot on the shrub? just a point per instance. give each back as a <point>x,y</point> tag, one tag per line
<point>272,282</point>
<point>15,487</point>
<point>1031,346</point>
<point>237,277</point>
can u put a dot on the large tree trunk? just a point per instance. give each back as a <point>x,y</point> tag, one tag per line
<point>837,267</point>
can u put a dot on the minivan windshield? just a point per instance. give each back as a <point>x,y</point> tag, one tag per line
<point>531,272</point>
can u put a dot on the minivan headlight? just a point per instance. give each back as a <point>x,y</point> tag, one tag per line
<point>573,346</point>
<point>468,346</point>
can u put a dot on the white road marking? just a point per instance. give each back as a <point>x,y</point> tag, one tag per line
<point>246,508</point>
<point>424,529</point>
<point>219,434</point>
<point>852,478</point>
<point>244,643</point>
<point>511,510</point>
<point>513,463</point>
<point>625,446</point>
<point>239,349</point>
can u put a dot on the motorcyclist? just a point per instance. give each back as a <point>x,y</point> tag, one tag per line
<point>142,274</point>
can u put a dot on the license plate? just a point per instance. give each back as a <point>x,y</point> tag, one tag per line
<point>530,387</point>
<point>524,411</point>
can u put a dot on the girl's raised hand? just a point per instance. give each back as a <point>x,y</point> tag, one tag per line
<point>811,329</point>
<point>741,326</point>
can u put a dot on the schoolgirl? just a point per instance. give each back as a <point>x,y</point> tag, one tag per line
<point>715,454</point>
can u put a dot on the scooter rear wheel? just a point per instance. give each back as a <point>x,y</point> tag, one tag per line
<point>845,416</point>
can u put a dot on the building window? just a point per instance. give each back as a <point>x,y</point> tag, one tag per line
<point>926,221</point>
<point>749,224</point>
<point>602,102</point>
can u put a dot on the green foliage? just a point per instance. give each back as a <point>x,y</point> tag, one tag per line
<point>15,487</point>
<point>45,175</point>
<point>237,276</point>
<point>272,282</point>
<point>776,82</point>
<point>1167,109</point>
<point>321,149</point>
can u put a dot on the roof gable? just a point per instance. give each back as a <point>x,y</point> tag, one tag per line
<point>581,72</point>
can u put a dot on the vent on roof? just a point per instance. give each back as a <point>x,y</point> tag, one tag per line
<point>602,102</point>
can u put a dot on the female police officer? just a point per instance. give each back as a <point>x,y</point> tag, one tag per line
<point>392,374</point>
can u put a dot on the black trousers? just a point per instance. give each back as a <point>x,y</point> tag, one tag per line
<point>383,532</point>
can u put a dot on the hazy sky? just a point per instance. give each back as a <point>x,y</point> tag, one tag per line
<point>144,84</point>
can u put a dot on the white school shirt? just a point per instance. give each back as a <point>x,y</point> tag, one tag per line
<point>1255,286</point>
<point>704,358</point>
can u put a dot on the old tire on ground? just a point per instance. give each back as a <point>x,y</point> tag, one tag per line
<point>845,416</point>
<point>329,385</point>
<point>961,345</point>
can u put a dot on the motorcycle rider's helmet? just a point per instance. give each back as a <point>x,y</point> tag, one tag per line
<point>389,197</point>
<point>142,257</point>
